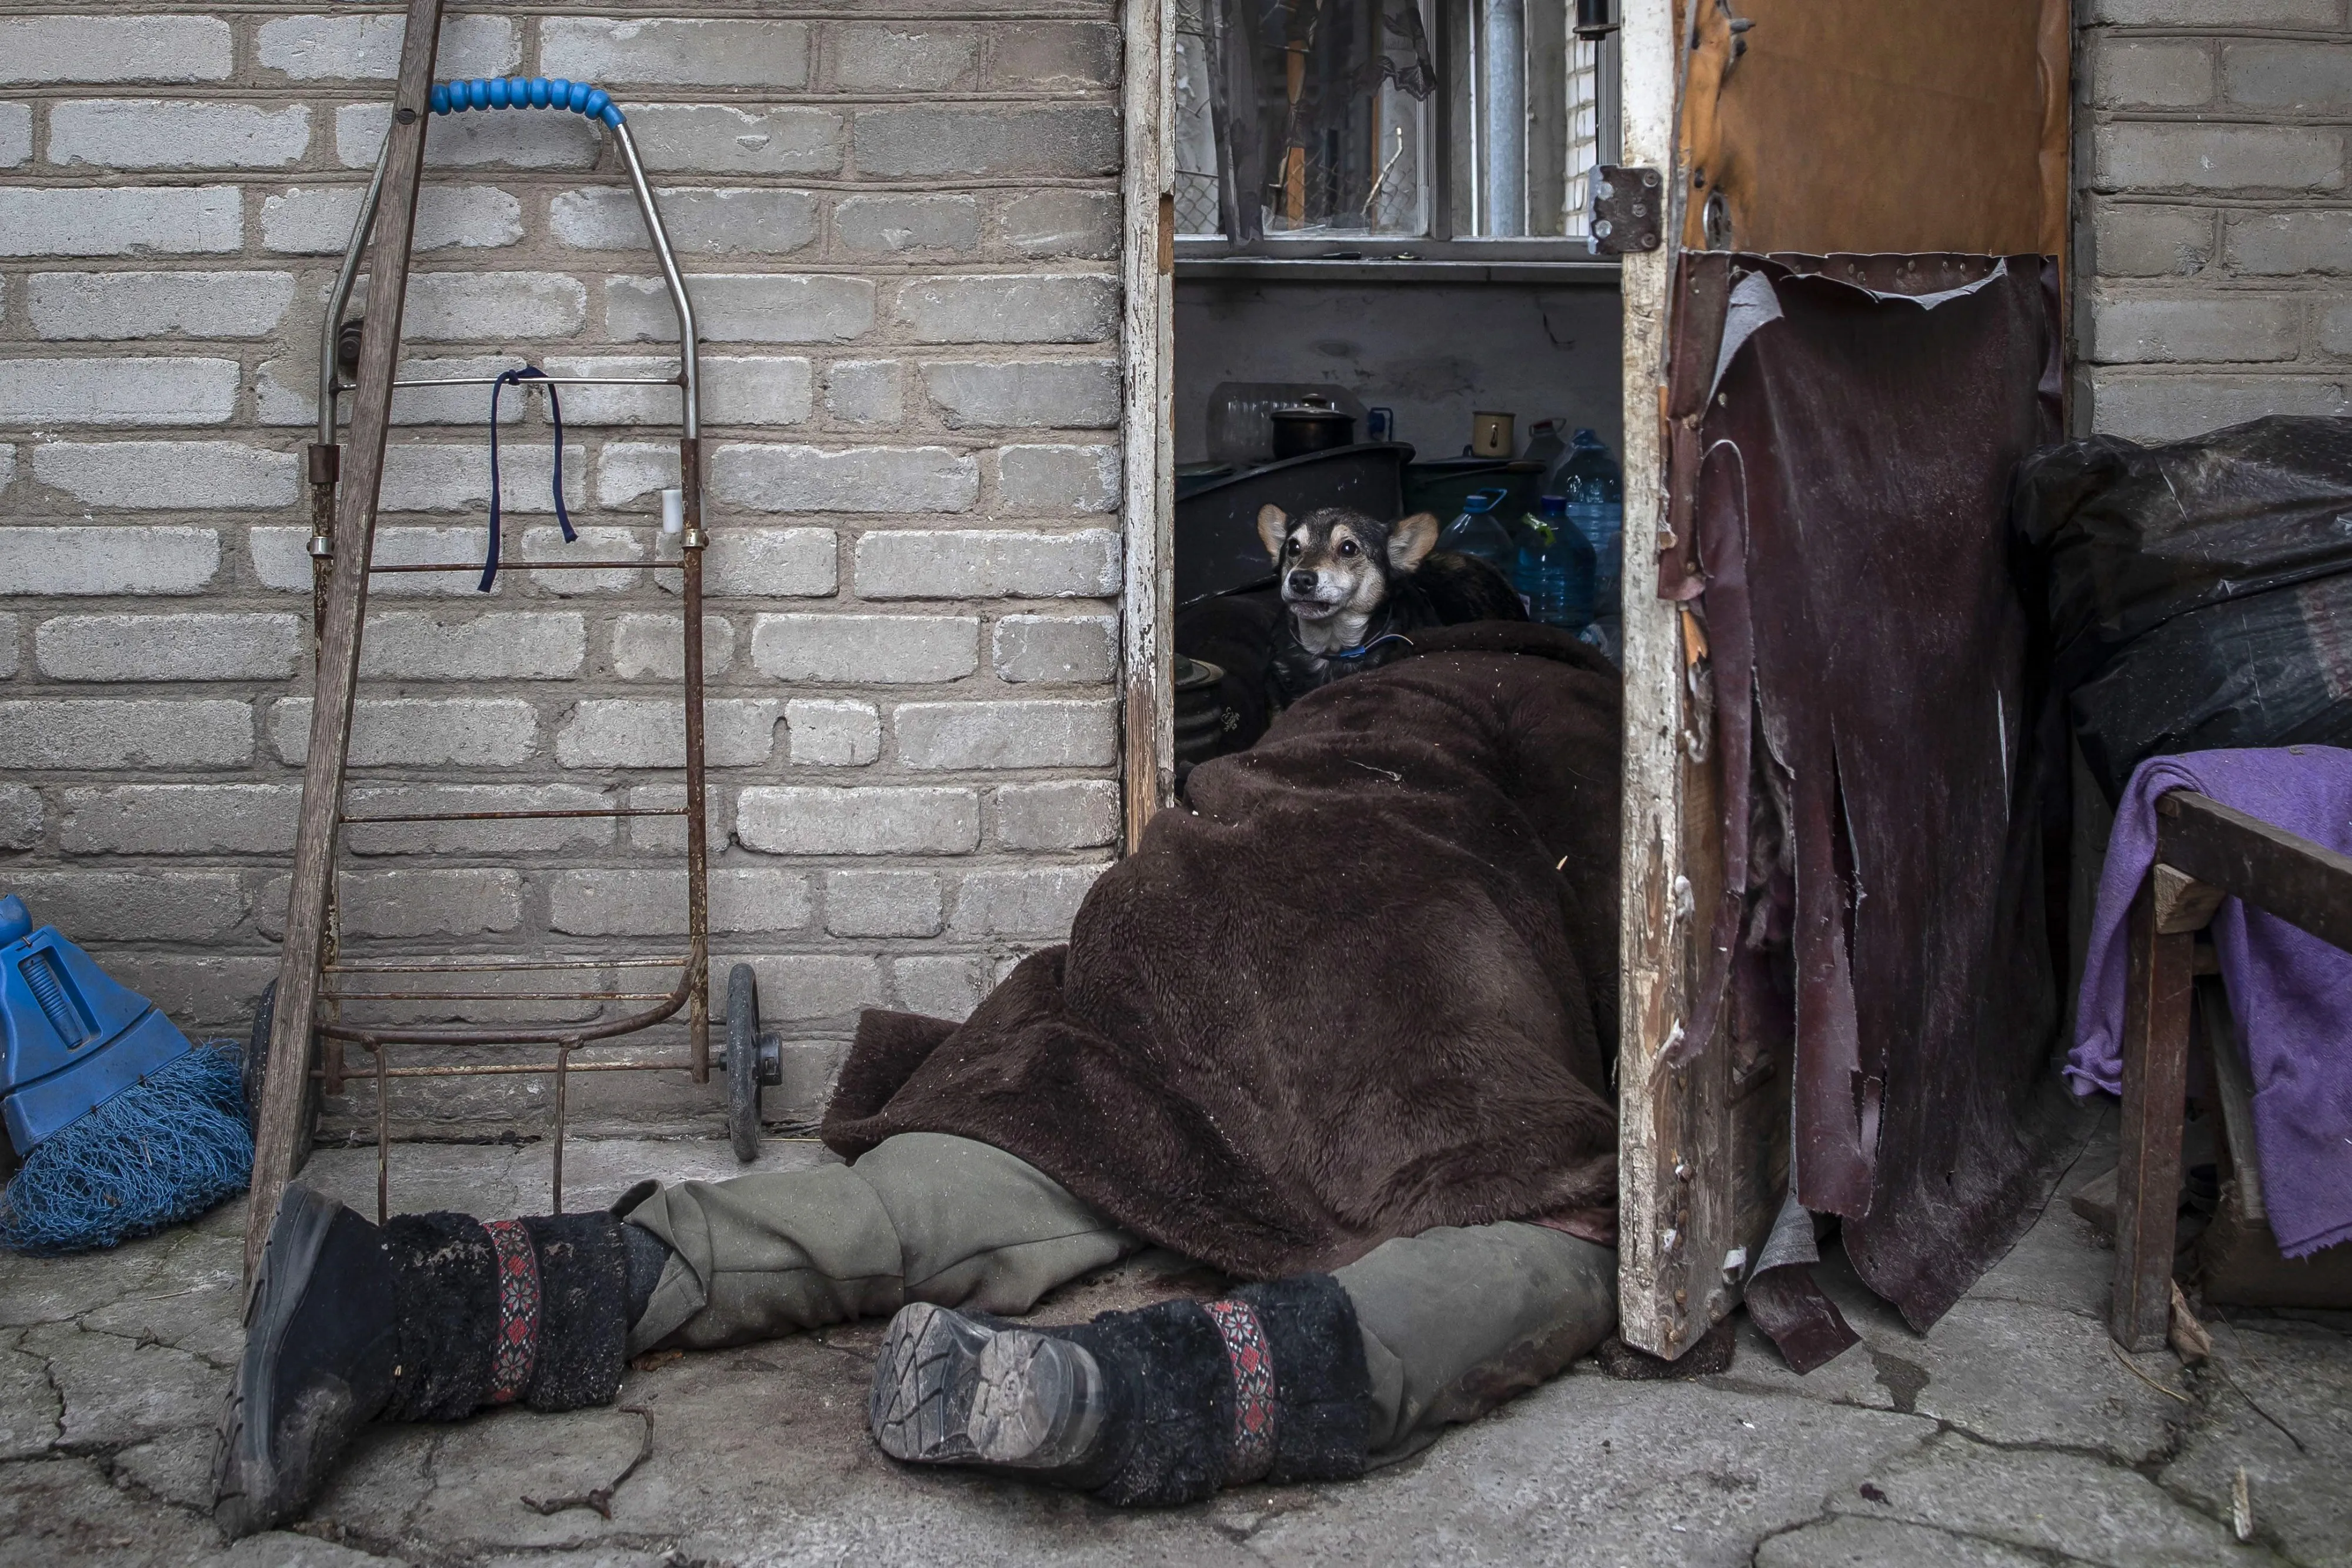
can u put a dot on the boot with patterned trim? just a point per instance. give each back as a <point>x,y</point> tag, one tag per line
<point>429,1318</point>
<point>1158,1406</point>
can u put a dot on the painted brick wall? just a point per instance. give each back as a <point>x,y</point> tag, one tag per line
<point>901,232</point>
<point>2216,218</point>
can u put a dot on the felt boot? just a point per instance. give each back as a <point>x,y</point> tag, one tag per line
<point>427,1318</point>
<point>1158,1406</point>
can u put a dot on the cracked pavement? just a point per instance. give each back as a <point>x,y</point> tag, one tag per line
<point>2012,1434</point>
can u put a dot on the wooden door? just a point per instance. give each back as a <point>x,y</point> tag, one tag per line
<point>1816,126</point>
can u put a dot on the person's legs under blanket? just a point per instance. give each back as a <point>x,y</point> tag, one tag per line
<point>1309,1378</point>
<point>924,1216</point>
<point>435,1315</point>
<point>1456,1321</point>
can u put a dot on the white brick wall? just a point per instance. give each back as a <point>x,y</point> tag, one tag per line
<point>2214,227</point>
<point>316,220</point>
<point>157,133</point>
<point>120,48</point>
<point>129,391</point>
<point>201,220</point>
<point>16,135</point>
<point>900,234</point>
<point>158,304</point>
<point>367,49</point>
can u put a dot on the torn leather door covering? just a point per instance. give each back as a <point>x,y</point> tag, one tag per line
<point>1844,435</point>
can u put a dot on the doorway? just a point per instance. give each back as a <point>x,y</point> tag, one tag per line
<point>1381,212</point>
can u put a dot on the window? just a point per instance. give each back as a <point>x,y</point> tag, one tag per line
<point>1433,123</point>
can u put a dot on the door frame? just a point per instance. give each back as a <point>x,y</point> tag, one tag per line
<point>1675,1202</point>
<point>1677,1274</point>
<point>1147,353</point>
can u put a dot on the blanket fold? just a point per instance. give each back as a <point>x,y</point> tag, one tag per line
<point>1365,985</point>
<point>2291,992</point>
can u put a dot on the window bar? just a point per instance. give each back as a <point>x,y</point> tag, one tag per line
<point>1500,84</point>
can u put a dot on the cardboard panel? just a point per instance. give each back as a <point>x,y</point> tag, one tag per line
<point>1852,125</point>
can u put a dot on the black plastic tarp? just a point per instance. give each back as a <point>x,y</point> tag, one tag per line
<point>2199,592</point>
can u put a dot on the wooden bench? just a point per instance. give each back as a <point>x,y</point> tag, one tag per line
<point>2205,852</point>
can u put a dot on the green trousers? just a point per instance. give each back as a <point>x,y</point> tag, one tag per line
<point>1454,1321</point>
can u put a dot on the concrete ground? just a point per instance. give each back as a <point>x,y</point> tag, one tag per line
<point>2012,1434</point>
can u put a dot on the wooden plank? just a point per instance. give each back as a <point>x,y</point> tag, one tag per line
<point>2148,1172</point>
<point>2233,1091</point>
<point>1148,417</point>
<point>2301,882</point>
<point>1699,1156</point>
<point>2182,903</point>
<point>2240,1265</point>
<point>2238,1258</point>
<point>1670,1288</point>
<point>276,1144</point>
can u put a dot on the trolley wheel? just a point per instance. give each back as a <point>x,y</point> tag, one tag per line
<point>255,1072</point>
<point>743,1062</point>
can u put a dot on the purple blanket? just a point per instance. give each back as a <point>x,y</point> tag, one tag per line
<point>2292,993</point>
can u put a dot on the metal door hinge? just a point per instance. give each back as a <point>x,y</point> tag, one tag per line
<point>1627,210</point>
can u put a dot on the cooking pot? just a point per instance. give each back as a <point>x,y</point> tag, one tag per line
<point>1313,424</point>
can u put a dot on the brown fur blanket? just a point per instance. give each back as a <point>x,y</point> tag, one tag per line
<point>1365,985</point>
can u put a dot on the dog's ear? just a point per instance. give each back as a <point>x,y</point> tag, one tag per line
<point>1272,529</point>
<point>1410,541</point>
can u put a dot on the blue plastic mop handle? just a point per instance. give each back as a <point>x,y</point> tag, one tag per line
<point>514,92</point>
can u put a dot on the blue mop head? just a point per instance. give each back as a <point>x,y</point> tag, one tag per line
<point>163,1151</point>
<point>124,1126</point>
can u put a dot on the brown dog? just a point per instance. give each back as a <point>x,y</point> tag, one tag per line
<point>1355,588</point>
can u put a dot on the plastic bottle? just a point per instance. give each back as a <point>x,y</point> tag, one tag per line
<point>1589,478</point>
<point>1588,466</point>
<point>1479,531</point>
<point>1555,567</point>
<point>1544,445</point>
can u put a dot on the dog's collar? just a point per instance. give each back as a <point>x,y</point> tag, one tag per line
<point>1360,651</point>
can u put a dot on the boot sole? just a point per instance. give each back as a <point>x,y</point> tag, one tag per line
<point>1025,1381</point>
<point>949,1391</point>
<point>245,1478</point>
<point>924,1380</point>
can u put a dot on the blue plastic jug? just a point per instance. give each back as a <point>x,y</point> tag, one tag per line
<point>1589,478</point>
<point>1554,574</point>
<point>1479,532</point>
<point>74,1038</point>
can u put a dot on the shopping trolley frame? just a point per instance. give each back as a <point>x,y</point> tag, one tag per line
<point>301,1029</point>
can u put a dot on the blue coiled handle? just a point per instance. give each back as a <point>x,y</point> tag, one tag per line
<point>514,92</point>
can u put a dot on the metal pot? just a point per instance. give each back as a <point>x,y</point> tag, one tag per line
<point>1203,721</point>
<point>1314,425</point>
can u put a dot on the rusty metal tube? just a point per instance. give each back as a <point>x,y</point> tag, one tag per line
<point>562,1075</point>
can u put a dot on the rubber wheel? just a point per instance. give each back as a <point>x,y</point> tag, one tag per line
<point>254,1071</point>
<point>743,1062</point>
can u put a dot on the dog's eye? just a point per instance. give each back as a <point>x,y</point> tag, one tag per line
<point>1346,547</point>
<point>1290,548</point>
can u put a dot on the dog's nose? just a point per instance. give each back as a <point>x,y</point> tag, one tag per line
<point>1302,582</point>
